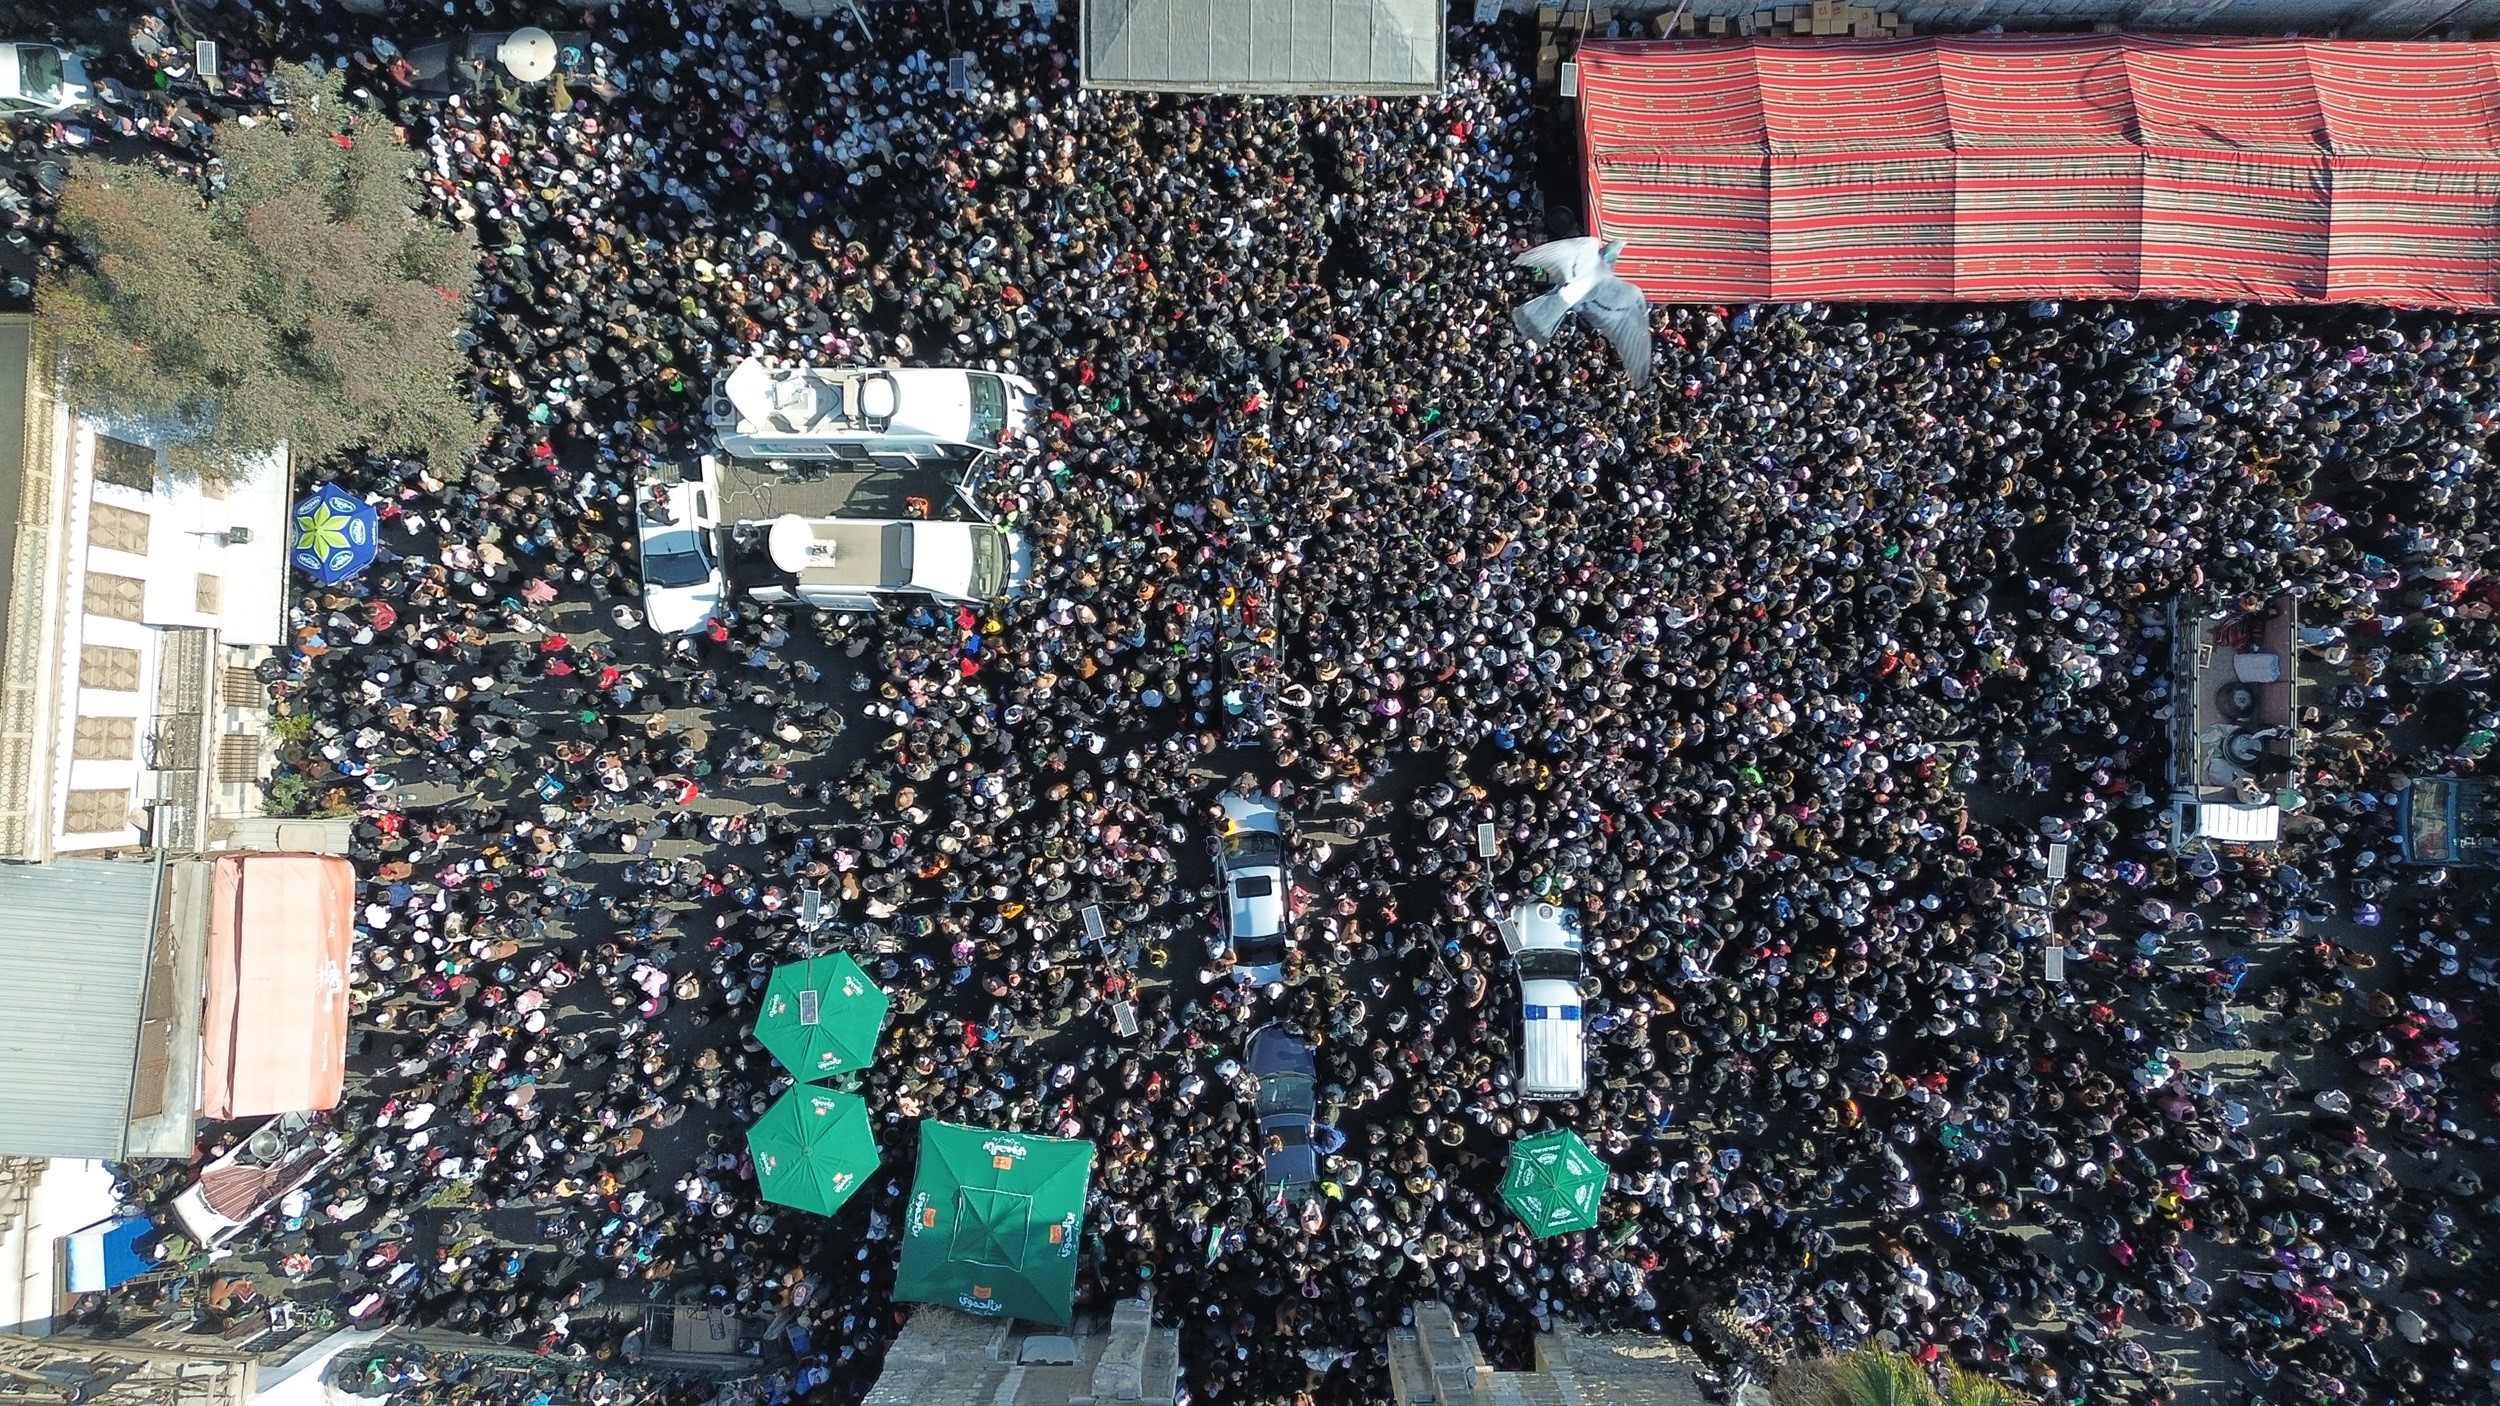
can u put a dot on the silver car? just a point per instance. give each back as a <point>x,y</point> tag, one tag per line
<point>1250,856</point>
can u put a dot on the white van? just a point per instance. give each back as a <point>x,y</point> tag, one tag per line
<point>867,415</point>
<point>1553,1045</point>
<point>855,564</point>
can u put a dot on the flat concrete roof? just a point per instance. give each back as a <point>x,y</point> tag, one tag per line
<point>1384,48</point>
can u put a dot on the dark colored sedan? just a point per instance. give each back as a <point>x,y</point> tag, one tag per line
<point>1287,1099</point>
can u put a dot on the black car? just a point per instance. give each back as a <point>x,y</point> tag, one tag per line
<point>1287,1099</point>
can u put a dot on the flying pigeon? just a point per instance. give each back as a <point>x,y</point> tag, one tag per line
<point>1585,271</point>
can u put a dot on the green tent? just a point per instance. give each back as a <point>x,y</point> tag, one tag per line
<point>821,1016</point>
<point>1554,1182</point>
<point>813,1148</point>
<point>993,1223</point>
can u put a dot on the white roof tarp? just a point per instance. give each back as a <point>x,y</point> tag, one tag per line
<point>1379,47</point>
<point>2240,825</point>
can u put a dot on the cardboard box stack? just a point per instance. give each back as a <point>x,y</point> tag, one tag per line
<point>1559,29</point>
<point>1826,19</point>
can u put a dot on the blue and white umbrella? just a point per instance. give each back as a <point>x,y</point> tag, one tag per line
<point>336,533</point>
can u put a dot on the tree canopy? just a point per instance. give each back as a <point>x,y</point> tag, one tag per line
<point>303,301</point>
<point>1874,1376</point>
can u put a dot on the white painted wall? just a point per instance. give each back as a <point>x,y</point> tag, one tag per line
<point>189,536</point>
<point>72,1196</point>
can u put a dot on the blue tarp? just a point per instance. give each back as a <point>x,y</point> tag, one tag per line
<point>106,1255</point>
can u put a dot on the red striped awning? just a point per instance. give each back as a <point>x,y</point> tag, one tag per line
<point>1980,167</point>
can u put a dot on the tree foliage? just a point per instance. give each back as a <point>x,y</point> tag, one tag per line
<point>305,302</point>
<point>1874,1376</point>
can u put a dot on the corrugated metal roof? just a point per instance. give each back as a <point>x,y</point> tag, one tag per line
<point>75,939</point>
<point>1386,47</point>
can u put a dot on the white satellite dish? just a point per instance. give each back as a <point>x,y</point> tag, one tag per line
<point>528,53</point>
<point>793,544</point>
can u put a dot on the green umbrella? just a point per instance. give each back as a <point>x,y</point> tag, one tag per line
<point>993,1221</point>
<point>821,1016</point>
<point>813,1148</point>
<point>1554,1182</point>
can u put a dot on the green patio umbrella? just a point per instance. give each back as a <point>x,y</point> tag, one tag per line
<point>813,1148</point>
<point>993,1223</point>
<point>1554,1182</point>
<point>821,1016</point>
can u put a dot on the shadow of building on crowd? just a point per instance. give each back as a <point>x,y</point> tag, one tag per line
<point>1434,1364</point>
<point>946,1358</point>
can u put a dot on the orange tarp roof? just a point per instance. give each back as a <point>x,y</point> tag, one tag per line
<point>275,1036</point>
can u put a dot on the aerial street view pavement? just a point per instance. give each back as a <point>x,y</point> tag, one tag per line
<point>1010,703</point>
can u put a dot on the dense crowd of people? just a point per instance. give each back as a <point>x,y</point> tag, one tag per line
<point>1783,674</point>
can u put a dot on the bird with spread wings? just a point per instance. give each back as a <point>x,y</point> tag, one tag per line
<point>1583,271</point>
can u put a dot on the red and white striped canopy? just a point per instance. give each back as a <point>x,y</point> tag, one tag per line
<point>1977,167</point>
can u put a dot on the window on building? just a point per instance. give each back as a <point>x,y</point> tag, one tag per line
<point>104,666</point>
<point>118,529</point>
<point>206,593</point>
<point>97,812</point>
<point>241,688</point>
<point>107,739</point>
<point>132,466</point>
<point>116,597</point>
<point>238,759</point>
